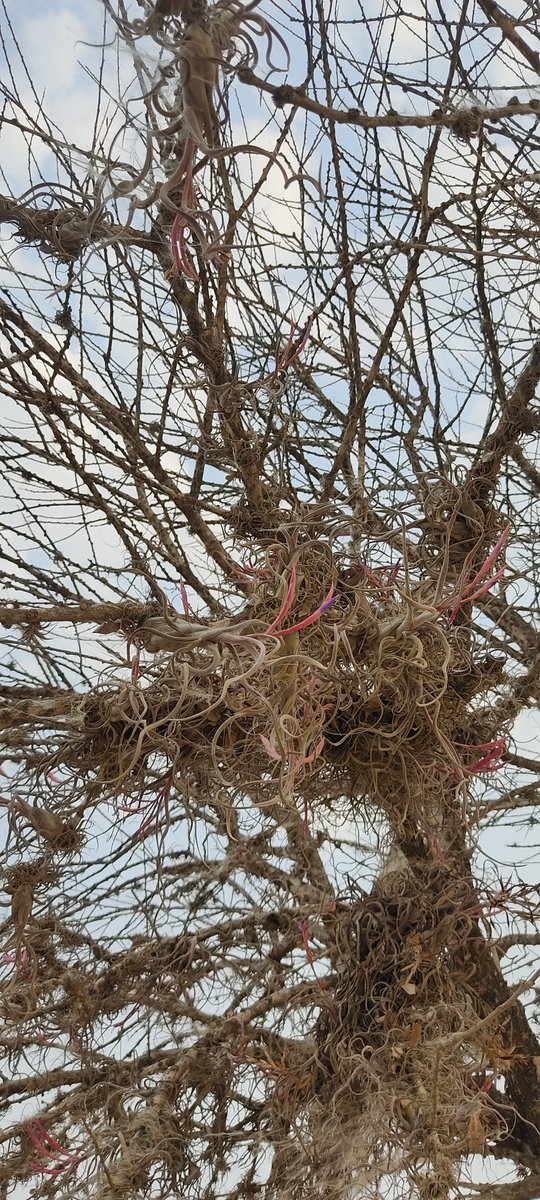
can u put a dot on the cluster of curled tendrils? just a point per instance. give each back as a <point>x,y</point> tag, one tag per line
<point>231,29</point>
<point>221,38</point>
<point>389,1061</point>
<point>331,667</point>
<point>234,24</point>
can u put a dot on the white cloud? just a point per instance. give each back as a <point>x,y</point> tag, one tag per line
<point>50,41</point>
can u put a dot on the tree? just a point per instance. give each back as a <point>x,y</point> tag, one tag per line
<point>269,361</point>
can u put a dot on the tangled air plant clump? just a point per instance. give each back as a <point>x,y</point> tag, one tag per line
<point>213,39</point>
<point>332,666</point>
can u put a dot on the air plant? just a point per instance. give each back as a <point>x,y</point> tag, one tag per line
<point>174,633</point>
<point>53,1158</point>
<point>490,760</point>
<point>290,353</point>
<point>202,50</point>
<point>469,590</point>
<point>209,250</point>
<point>274,630</point>
<point>47,824</point>
<point>198,62</point>
<point>162,8</point>
<point>168,8</point>
<point>293,350</point>
<point>231,21</point>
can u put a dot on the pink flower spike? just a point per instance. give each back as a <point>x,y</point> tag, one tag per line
<point>296,353</point>
<point>245,569</point>
<point>37,1140</point>
<point>255,571</point>
<point>286,603</point>
<point>330,599</point>
<point>469,599</point>
<point>270,748</point>
<point>369,574</point>
<point>39,1144</point>
<point>487,585</point>
<point>244,574</point>
<point>490,760</point>
<point>488,763</point>
<point>39,1136</point>
<point>39,1128</point>
<point>178,249</point>
<point>491,558</point>
<point>394,574</point>
<point>289,355</point>
<point>471,590</point>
